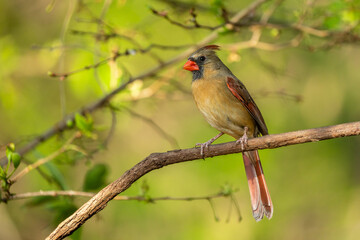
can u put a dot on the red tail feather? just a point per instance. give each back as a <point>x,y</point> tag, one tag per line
<point>259,193</point>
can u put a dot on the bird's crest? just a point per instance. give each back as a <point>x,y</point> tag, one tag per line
<point>212,47</point>
<point>208,48</point>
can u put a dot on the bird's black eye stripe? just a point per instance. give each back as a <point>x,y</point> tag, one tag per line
<point>202,58</point>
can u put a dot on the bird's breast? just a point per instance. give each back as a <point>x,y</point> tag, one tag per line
<point>221,109</point>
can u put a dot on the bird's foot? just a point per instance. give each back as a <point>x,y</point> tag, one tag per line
<point>203,146</point>
<point>206,145</point>
<point>244,139</point>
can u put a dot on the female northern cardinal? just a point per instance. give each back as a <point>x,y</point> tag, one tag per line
<point>228,107</point>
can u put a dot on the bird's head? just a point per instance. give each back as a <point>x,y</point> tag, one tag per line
<point>202,59</point>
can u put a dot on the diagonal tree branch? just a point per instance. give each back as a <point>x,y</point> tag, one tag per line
<point>159,160</point>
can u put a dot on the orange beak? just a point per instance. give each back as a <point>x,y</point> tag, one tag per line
<point>191,66</point>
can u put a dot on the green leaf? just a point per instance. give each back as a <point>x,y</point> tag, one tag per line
<point>226,189</point>
<point>216,5</point>
<point>332,22</point>
<point>5,185</point>
<point>9,151</point>
<point>350,17</point>
<point>69,123</point>
<point>144,192</point>
<point>2,173</point>
<point>84,124</point>
<point>95,177</point>
<point>56,175</point>
<point>275,32</point>
<point>16,159</point>
<point>11,146</point>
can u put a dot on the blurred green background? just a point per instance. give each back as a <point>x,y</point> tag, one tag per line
<point>315,187</point>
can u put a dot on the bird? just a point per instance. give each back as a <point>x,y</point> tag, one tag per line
<point>228,107</point>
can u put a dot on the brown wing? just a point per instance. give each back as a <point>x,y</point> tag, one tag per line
<point>240,92</point>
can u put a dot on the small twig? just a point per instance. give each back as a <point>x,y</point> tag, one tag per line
<point>156,127</point>
<point>46,159</point>
<point>236,204</point>
<point>279,92</point>
<point>115,56</point>
<point>213,209</point>
<point>266,46</point>
<point>102,36</point>
<point>112,128</point>
<point>193,15</point>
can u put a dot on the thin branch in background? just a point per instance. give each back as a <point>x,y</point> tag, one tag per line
<point>101,36</point>
<point>184,6</point>
<point>195,24</point>
<point>308,6</point>
<point>257,32</point>
<point>346,37</point>
<point>112,127</point>
<point>156,127</point>
<point>229,211</point>
<point>113,33</point>
<point>65,26</point>
<point>269,12</point>
<point>100,29</point>
<point>72,193</point>
<point>213,209</point>
<point>62,47</point>
<point>114,57</point>
<point>253,43</point>
<point>279,93</point>
<point>38,163</point>
<point>237,206</point>
<point>171,81</point>
<point>93,66</point>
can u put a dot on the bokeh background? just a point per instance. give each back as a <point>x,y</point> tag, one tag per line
<point>315,187</point>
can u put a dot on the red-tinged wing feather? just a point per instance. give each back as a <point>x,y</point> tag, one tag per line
<point>241,93</point>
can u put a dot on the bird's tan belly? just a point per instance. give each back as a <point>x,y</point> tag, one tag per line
<point>221,109</point>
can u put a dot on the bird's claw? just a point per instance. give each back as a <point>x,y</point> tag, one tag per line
<point>202,147</point>
<point>206,145</point>
<point>243,140</point>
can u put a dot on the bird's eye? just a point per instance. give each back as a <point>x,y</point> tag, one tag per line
<point>202,58</point>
